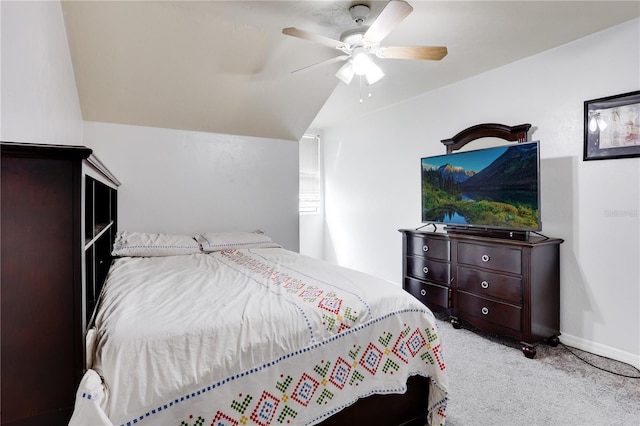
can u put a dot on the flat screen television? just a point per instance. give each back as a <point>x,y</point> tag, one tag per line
<point>494,188</point>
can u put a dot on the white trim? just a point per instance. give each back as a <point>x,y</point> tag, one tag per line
<point>599,349</point>
<point>93,167</point>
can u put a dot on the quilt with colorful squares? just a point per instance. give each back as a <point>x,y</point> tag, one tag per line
<point>251,337</point>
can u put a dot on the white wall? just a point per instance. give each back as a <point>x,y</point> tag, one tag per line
<point>188,182</point>
<point>372,179</point>
<point>38,92</point>
<point>171,180</point>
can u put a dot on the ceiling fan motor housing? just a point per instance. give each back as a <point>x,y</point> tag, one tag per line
<point>353,37</point>
<point>359,13</point>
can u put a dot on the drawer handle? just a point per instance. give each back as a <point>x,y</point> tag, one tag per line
<point>485,310</point>
<point>425,270</point>
<point>425,248</point>
<point>484,284</point>
<point>423,292</point>
<point>485,258</point>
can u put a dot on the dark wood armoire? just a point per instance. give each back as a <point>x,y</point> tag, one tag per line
<point>44,266</point>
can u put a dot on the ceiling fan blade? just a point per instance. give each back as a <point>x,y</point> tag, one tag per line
<point>305,35</point>
<point>393,13</point>
<point>327,62</point>
<point>433,53</point>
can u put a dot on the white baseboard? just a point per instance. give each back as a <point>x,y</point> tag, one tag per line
<point>599,349</point>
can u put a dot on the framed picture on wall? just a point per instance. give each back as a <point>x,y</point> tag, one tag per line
<point>612,127</point>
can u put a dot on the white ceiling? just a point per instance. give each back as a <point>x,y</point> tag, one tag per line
<point>225,66</point>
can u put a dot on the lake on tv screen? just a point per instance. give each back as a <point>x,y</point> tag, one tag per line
<point>517,199</point>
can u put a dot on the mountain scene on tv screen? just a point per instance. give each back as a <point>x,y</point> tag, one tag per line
<point>501,192</point>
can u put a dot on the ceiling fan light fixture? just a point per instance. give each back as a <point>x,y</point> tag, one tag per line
<point>362,63</point>
<point>374,74</point>
<point>346,73</point>
<point>362,67</point>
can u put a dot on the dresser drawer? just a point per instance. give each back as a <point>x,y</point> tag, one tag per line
<point>504,259</point>
<point>429,270</point>
<point>423,245</point>
<point>487,284</point>
<point>429,294</point>
<point>498,313</point>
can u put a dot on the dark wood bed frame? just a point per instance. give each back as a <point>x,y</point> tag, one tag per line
<point>408,409</point>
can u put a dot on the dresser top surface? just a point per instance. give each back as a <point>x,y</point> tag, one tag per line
<point>533,239</point>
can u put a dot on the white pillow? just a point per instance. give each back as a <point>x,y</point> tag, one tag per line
<point>218,241</point>
<point>144,244</point>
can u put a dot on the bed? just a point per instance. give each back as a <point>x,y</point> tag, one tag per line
<point>232,329</point>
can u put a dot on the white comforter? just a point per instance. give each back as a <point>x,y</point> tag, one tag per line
<point>259,336</point>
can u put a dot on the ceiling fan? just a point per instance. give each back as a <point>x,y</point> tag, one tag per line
<point>359,45</point>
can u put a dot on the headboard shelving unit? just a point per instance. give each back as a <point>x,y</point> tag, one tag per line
<point>100,226</point>
<point>49,254</point>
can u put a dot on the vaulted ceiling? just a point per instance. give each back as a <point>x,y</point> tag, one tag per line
<point>225,66</point>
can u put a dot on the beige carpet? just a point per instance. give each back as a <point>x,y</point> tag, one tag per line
<point>493,384</point>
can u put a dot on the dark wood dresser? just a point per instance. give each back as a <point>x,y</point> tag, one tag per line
<point>507,287</point>
<point>43,272</point>
<point>427,268</point>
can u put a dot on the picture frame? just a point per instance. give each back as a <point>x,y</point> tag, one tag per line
<point>612,127</point>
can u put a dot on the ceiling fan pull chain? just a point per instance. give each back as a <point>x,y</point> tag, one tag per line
<point>360,83</point>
